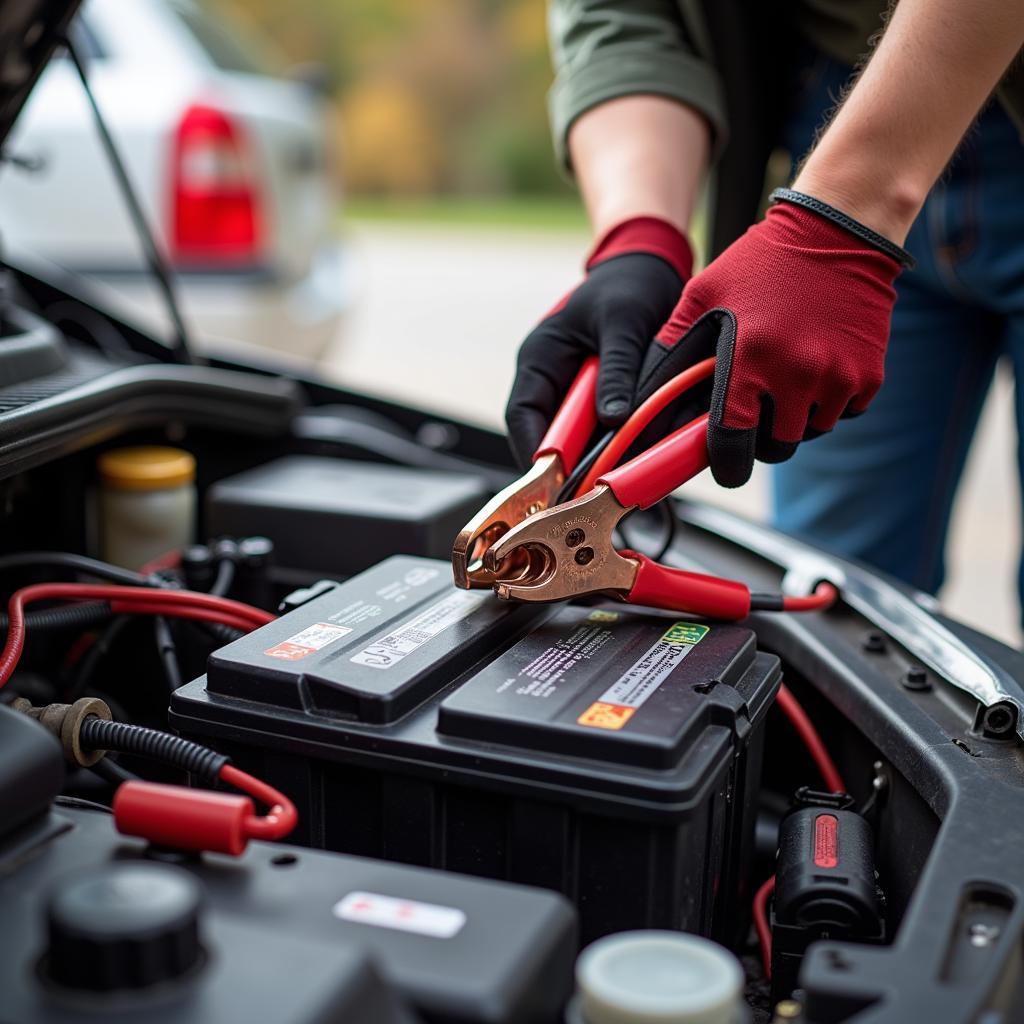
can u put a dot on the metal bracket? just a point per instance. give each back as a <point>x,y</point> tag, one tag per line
<point>907,617</point>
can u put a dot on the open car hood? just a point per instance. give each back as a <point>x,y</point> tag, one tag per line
<point>30,30</point>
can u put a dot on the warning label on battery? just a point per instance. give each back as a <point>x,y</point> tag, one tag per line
<point>619,702</point>
<point>400,643</point>
<point>606,716</point>
<point>310,640</point>
<point>540,677</point>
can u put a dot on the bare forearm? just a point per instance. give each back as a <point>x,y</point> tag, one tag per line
<point>932,71</point>
<point>639,155</point>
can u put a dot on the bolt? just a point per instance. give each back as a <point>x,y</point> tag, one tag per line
<point>998,720</point>
<point>574,538</point>
<point>584,556</point>
<point>916,678</point>
<point>874,643</point>
<point>788,1009</point>
<point>982,935</point>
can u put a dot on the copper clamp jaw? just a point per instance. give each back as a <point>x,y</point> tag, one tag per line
<point>566,551</point>
<point>534,492</point>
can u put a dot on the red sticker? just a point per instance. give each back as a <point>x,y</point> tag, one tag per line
<point>826,841</point>
<point>288,651</point>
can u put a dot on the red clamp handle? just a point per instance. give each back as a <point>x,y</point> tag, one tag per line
<point>677,590</point>
<point>657,472</point>
<point>575,421</point>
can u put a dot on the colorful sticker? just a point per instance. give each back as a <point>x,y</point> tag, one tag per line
<point>310,640</point>
<point>601,715</point>
<point>629,692</point>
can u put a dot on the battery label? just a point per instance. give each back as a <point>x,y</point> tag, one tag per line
<point>310,640</point>
<point>389,650</point>
<point>619,702</point>
<point>402,915</point>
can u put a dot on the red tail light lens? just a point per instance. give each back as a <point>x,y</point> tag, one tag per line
<point>215,215</point>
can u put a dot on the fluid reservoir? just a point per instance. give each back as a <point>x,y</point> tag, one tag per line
<point>657,977</point>
<point>147,503</point>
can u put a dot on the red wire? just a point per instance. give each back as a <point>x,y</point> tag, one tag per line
<point>764,932</point>
<point>641,418</point>
<point>824,596</point>
<point>278,821</point>
<point>811,738</point>
<point>168,560</point>
<point>138,600</point>
<point>245,625</point>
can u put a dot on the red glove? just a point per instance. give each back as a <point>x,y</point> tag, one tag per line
<point>797,312</point>
<point>635,274</point>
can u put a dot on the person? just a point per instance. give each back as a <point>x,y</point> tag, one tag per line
<point>902,214</point>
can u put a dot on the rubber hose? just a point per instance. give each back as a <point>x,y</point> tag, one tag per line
<point>180,753</point>
<point>69,616</point>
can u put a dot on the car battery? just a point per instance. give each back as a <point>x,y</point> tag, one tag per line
<point>611,754</point>
<point>337,517</point>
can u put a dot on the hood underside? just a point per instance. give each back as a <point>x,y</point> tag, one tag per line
<point>30,30</point>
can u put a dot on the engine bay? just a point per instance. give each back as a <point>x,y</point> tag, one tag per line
<point>480,788</point>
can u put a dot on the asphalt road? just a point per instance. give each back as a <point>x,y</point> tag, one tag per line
<point>440,313</point>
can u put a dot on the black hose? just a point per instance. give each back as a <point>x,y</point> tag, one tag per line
<point>77,803</point>
<point>75,563</point>
<point>110,771</point>
<point>190,757</point>
<point>92,657</point>
<point>167,650</point>
<point>69,616</point>
<point>575,478</point>
<point>224,579</point>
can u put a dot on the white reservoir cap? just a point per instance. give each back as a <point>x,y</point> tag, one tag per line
<point>659,977</point>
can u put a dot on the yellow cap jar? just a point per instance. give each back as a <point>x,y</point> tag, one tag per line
<point>147,503</point>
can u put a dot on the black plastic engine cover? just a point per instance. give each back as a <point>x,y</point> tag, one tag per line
<point>293,936</point>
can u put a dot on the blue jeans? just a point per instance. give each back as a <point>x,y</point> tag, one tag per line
<point>880,488</point>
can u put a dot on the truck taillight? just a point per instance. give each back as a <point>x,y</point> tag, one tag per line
<point>215,207</point>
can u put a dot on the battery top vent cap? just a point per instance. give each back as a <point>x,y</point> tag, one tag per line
<point>658,977</point>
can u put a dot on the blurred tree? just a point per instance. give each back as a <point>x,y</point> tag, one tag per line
<point>432,96</point>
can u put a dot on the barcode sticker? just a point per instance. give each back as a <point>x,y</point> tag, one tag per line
<point>400,643</point>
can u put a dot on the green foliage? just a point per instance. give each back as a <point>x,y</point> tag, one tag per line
<point>431,96</point>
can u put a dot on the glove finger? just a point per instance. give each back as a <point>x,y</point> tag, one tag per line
<point>770,446</point>
<point>859,405</point>
<point>622,346</point>
<point>526,429</point>
<point>547,364</point>
<point>690,308</point>
<point>731,454</point>
<point>824,416</point>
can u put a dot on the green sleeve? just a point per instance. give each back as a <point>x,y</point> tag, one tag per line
<point>603,49</point>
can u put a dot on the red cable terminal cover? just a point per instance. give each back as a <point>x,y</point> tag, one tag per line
<point>197,819</point>
<point>185,819</point>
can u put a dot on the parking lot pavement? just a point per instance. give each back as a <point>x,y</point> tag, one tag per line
<point>441,311</point>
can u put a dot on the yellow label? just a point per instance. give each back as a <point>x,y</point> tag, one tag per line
<point>601,615</point>
<point>685,633</point>
<point>601,715</point>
